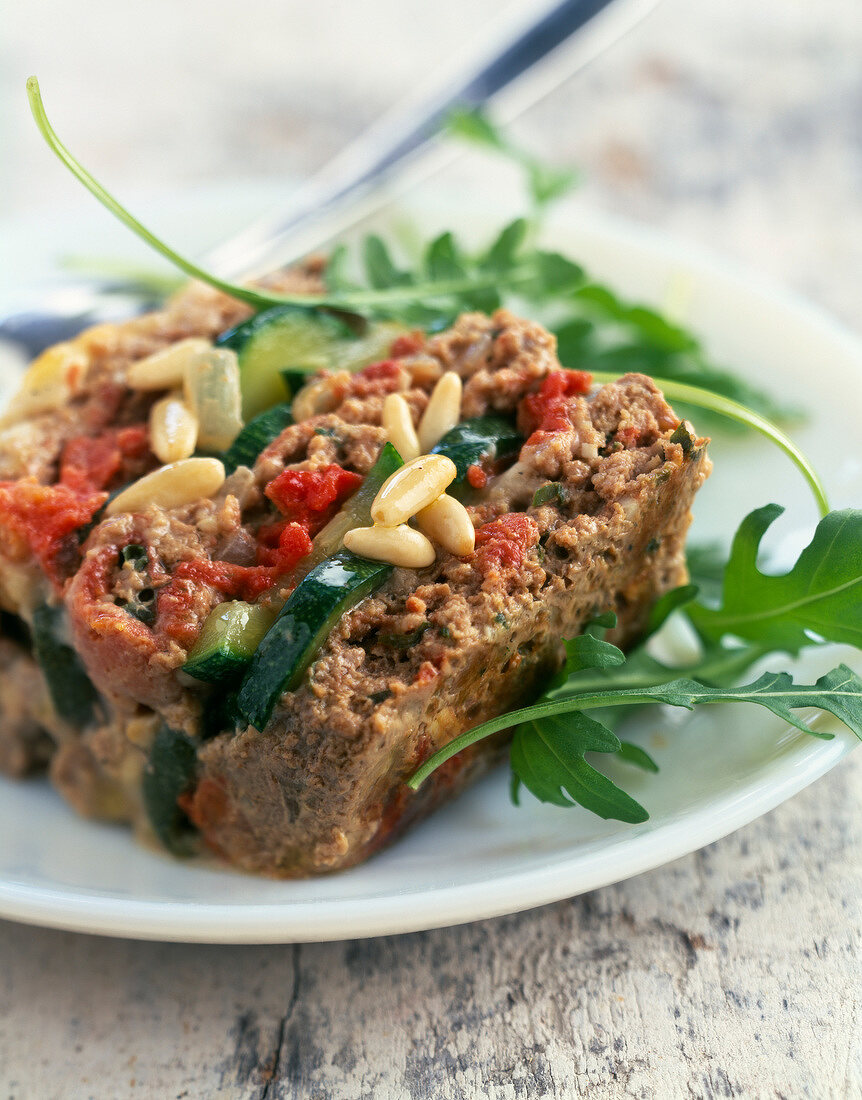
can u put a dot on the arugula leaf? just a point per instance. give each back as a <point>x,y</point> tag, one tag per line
<point>634,754</point>
<point>380,269</point>
<point>547,755</point>
<point>665,606</point>
<point>452,283</point>
<point>839,692</point>
<point>500,256</point>
<point>706,569</point>
<point>391,290</point>
<point>548,758</point>
<point>588,651</point>
<point>822,593</point>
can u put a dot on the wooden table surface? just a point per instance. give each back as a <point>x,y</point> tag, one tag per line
<point>732,972</point>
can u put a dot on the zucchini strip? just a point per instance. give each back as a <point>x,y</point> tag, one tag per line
<point>72,692</point>
<point>314,607</point>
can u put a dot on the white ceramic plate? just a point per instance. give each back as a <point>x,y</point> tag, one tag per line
<point>481,856</point>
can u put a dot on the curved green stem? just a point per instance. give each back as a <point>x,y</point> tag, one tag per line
<point>110,203</point>
<point>258,296</point>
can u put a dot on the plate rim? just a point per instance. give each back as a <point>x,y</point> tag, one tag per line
<point>291,921</point>
<point>395,914</point>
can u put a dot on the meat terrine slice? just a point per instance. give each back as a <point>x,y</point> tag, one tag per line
<point>589,516</point>
<point>437,651</point>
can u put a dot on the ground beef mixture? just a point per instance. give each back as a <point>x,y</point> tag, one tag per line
<point>430,654</point>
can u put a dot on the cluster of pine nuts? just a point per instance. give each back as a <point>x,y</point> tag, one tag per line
<point>442,413</point>
<point>417,490</point>
<point>201,408</point>
<point>203,405</point>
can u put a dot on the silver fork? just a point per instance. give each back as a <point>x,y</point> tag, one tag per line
<point>398,151</point>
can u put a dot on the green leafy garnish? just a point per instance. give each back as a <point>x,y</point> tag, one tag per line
<point>822,593</point>
<point>706,564</point>
<point>547,756</point>
<point>448,280</point>
<point>839,692</point>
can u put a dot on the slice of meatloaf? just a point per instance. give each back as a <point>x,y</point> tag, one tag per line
<point>323,786</point>
<point>430,654</point>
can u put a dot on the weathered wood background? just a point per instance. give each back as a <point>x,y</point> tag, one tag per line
<point>733,972</point>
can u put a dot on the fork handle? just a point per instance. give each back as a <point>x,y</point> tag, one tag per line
<point>524,36</point>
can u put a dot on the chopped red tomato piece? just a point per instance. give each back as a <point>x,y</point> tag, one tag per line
<point>547,410</point>
<point>310,497</point>
<point>44,519</point>
<point>173,605</point>
<point>378,378</point>
<point>503,543</point>
<point>243,582</point>
<point>477,477</point>
<point>281,545</point>
<point>90,463</point>
<point>237,582</point>
<point>629,437</point>
<point>408,344</point>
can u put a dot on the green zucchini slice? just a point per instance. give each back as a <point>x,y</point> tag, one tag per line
<point>478,439</point>
<point>169,772</point>
<point>298,338</point>
<point>234,629</point>
<point>230,636</point>
<point>71,690</point>
<point>317,603</point>
<point>256,436</point>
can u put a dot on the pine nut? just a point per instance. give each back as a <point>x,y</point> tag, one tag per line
<point>398,423</point>
<point>442,412</point>
<point>165,369</point>
<point>173,429</point>
<point>212,392</point>
<point>448,523</point>
<point>321,396</point>
<point>411,488</point>
<point>171,486</point>
<point>399,545</point>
